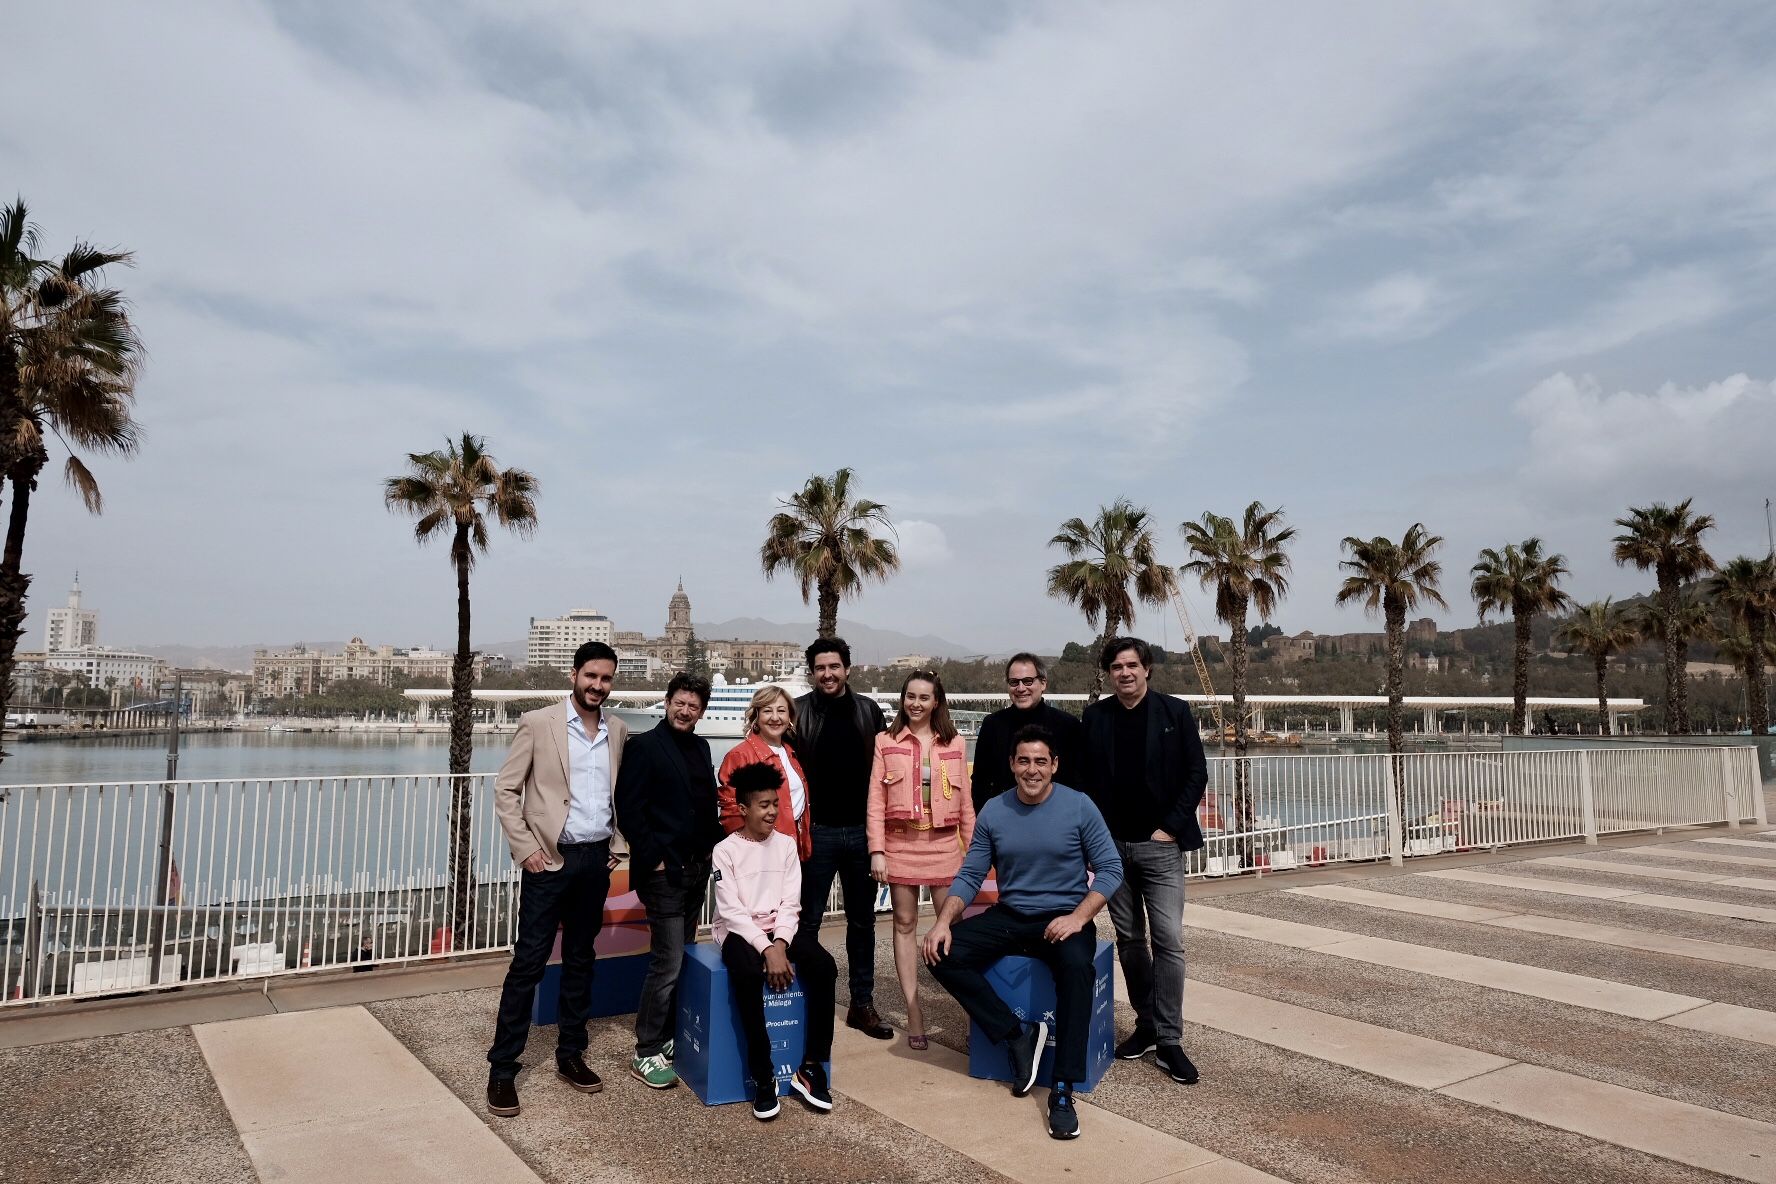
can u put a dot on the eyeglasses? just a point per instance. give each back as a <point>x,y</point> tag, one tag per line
<point>1031,681</point>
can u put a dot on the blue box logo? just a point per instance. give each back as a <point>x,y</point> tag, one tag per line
<point>710,1050</point>
<point>1028,989</point>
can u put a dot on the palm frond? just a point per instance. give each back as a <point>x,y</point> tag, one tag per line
<point>81,480</point>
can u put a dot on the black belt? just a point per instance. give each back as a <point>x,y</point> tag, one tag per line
<point>587,843</point>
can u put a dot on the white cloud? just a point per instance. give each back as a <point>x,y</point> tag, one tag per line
<point>1659,302</point>
<point>1663,443</point>
<point>1400,307</point>
<point>922,544</point>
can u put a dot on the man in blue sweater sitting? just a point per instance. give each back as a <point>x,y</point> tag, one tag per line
<point>1042,838</point>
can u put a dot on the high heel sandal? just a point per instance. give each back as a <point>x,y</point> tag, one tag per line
<point>918,1043</point>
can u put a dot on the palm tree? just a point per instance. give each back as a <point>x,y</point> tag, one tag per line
<point>1668,541</point>
<point>1391,579</point>
<point>1523,581</point>
<point>1598,630</point>
<point>824,539</point>
<point>69,358</point>
<point>1104,559</point>
<point>454,491</point>
<point>1745,591</point>
<point>1245,564</point>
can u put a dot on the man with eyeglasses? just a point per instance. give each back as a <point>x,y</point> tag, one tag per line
<point>1026,678</point>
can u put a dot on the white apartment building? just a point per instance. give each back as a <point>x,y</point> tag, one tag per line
<point>553,640</point>
<point>115,669</point>
<point>72,627</point>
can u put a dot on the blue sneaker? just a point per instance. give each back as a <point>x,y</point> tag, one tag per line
<point>1063,1119</point>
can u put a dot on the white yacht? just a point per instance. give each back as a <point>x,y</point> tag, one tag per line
<point>726,717</point>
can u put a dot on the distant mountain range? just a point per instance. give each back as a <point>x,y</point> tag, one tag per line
<point>870,647</point>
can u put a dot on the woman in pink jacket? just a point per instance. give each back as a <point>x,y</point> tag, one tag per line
<point>920,821</point>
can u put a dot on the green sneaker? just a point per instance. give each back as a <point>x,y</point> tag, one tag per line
<point>653,1072</point>
<point>666,1050</point>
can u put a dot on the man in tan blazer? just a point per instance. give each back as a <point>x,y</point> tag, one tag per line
<point>553,799</point>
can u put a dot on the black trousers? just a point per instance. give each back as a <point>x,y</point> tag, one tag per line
<point>816,973</point>
<point>842,852</point>
<point>572,898</point>
<point>672,925</point>
<point>978,942</point>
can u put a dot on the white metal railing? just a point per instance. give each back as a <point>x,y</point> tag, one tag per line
<point>113,888</point>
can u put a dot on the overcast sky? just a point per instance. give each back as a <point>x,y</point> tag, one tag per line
<point>1505,269</point>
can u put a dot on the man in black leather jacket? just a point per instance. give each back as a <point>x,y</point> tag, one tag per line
<point>835,737</point>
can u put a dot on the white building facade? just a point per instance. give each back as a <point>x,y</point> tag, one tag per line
<point>72,627</point>
<point>553,640</point>
<point>109,669</point>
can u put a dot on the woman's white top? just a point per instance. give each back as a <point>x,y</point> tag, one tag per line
<point>798,793</point>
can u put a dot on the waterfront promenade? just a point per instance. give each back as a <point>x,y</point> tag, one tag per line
<point>1558,1013</point>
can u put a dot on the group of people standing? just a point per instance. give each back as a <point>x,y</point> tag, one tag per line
<point>1070,815</point>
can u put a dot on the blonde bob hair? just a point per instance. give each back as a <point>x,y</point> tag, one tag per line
<point>763,698</point>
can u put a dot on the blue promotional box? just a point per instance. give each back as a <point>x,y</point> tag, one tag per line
<point>622,946</point>
<point>709,1051</point>
<point>1028,989</point>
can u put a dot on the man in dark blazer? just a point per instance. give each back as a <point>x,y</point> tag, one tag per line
<point>1148,774</point>
<point>668,813</point>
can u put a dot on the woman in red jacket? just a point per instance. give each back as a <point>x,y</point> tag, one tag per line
<point>920,820</point>
<point>770,724</point>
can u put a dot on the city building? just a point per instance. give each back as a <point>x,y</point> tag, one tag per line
<point>71,627</point>
<point>109,669</point>
<point>553,640</point>
<point>1300,648</point>
<point>671,650</point>
<point>910,662</point>
<point>280,674</point>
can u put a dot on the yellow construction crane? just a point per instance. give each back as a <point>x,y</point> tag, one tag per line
<point>1202,667</point>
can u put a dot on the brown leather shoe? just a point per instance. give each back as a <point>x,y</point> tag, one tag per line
<point>574,1071</point>
<point>865,1020</point>
<point>502,1097</point>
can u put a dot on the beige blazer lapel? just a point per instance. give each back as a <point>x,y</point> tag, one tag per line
<point>558,738</point>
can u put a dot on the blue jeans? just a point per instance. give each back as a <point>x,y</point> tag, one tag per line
<point>1148,911</point>
<point>843,852</point>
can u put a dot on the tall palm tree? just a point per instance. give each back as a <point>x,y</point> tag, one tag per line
<point>1247,567</point>
<point>823,538</point>
<point>1667,540</point>
<point>1734,644</point>
<point>1391,579</point>
<point>69,357</point>
<point>1745,591</point>
<point>1111,564</point>
<point>1522,581</point>
<point>455,491</point>
<point>1598,630</point>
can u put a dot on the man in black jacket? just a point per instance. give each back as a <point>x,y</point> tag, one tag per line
<point>667,810</point>
<point>836,742</point>
<point>1148,774</point>
<point>1026,679</point>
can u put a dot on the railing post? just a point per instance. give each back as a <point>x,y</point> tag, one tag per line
<point>1729,790</point>
<point>1587,800</point>
<point>1396,837</point>
<point>1754,758</point>
<point>163,882</point>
